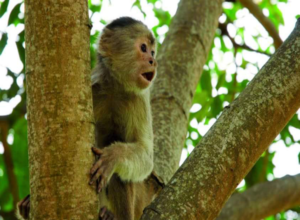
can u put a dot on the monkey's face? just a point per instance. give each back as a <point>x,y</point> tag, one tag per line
<point>130,55</point>
<point>145,63</point>
<point>133,62</point>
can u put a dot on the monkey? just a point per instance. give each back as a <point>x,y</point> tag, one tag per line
<point>121,81</point>
<point>121,99</point>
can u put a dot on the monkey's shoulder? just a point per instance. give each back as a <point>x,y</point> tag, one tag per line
<point>122,113</point>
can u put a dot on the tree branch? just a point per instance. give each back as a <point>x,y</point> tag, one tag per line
<point>263,200</point>
<point>265,22</point>
<point>241,134</point>
<point>181,59</point>
<point>224,31</point>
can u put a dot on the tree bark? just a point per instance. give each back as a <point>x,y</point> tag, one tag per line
<point>263,200</point>
<point>60,130</point>
<point>242,133</point>
<point>181,59</point>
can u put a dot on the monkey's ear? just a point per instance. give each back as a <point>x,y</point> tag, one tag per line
<point>105,42</point>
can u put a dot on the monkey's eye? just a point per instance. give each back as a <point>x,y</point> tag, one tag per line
<point>152,53</point>
<point>144,48</point>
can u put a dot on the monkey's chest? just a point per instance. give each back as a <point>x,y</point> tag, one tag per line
<point>116,123</point>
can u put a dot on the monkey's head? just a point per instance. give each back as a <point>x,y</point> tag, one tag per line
<point>127,48</point>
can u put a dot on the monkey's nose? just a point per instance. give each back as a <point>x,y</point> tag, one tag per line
<point>151,62</point>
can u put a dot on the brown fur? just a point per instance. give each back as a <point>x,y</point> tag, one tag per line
<point>123,117</point>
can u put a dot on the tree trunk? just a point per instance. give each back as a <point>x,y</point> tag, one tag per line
<point>60,120</point>
<point>242,133</point>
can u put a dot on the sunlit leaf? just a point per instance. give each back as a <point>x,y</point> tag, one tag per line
<point>13,17</point>
<point>3,7</point>
<point>3,42</point>
<point>137,3</point>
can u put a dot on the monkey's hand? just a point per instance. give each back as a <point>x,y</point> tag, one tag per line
<point>105,214</point>
<point>104,167</point>
<point>24,207</point>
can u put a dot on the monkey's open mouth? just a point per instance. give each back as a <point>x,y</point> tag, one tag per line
<point>148,76</point>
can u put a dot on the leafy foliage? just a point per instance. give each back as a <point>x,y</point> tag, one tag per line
<point>223,78</point>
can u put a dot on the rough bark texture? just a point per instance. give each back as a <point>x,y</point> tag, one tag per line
<point>265,21</point>
<point>180,59</point>
<point>60,131</point>
<point>263,200</point>
<point>227,152</point>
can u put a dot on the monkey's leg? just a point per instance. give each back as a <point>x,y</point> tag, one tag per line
<point>121,197</point>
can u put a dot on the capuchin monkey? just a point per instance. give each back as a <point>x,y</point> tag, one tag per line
<point>121,83</point>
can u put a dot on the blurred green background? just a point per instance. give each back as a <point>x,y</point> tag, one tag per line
<point>240,48</point>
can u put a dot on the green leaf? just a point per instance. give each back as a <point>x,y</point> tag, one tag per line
<point>21,49</point>
<point>96,8</point>
<point>231,13</point>
<point>103,22</point>
<point>19,151</point>
<point>201,97</point>
<point>205,82</point>
<point>3,42</point>
<point>14,88</point>
<point>297,16</point>
<point>200,115</point>
<point>13,17</point>
<point>221,80</point>
<point>152,1</point>
<point>137,3</point>
<point>164,17</point>
<point>3,7</point>
<point>6,202</point>
<point>216,106</point>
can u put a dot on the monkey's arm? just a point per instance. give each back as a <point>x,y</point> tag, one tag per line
<point>131,161</point>
<point>136,161</point>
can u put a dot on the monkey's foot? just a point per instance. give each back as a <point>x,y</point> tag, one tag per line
<point>24,207</point>
<point>105,214</point>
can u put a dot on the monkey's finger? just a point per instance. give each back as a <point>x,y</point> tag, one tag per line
<point>102,211</point>
<point>23,210</point>
<point>27,208</point>
<point>106,217</point>
<point>101,184</point>
<point>96,166</point>
<point>99,187</point>
<point>110,216</point>
<point>22,206</point>
<point>96,175</point>
<point>22,201</point>
<point>97,151</point>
